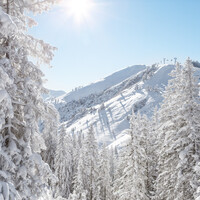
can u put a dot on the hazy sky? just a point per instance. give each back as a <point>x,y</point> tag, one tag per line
<point>117,34</point>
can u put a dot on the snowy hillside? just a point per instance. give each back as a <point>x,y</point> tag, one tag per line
<point>100,86</point>
<point>107,104</point>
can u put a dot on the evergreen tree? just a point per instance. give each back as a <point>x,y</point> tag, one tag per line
<point>90,150</point>
<point>63,163</point>
<point>50,135</point>
<point>134,179</point>
<point>80,181</point>
<point>23,172</point>
<point>112,162</point>
<point>141,160</point>
<point>124,177</point>
<point>119,176</point>
<point>104,175</point>
<point>86,179</point>
<point>76,151</point>
<point>153,152</point>
<point>179,136</point>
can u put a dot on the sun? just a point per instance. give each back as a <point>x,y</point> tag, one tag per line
<point>80,10</point>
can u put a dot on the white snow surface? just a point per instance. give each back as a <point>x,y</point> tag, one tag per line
<point>109,107</point>
<point>7,26</point>
<point>3,95</point>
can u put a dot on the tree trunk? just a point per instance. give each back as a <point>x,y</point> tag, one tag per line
<point>7,11</point>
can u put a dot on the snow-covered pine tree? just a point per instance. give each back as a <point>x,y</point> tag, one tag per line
<point>112,162</point>
<point>50,134</point>
<point>105,180</point>
<point>63,163</point>
<point>86,180</point>
<point>79,192</point>
<point>179,136</point>
<point>119,185</point>
<point>167,112</point>
<point>7,166</point>
<point>76,149</point>
<point>91,154</point>
<point>153,151</point>
<point>140,156</point>
<point>21,164</point>
<point>135,180</point>
<point>124,177</point>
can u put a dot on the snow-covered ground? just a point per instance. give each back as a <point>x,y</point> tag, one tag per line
<point>108,104</point>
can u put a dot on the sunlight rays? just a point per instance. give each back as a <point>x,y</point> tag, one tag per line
<point>79,10</point>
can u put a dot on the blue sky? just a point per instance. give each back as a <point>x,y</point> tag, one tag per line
<point>119,33</point>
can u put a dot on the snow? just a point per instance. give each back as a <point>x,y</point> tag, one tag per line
<point>3,95</point>
<point>4,189</point>
<point>182,154</point>
<point>7,26</point>
<point>22,172</point>
<point>3,174</point>
<point>160,78</point>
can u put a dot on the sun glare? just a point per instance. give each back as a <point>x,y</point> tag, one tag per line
<point>80,10</point>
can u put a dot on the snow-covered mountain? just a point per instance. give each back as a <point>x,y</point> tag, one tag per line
<point>108,104</point>
<point>100,86</point>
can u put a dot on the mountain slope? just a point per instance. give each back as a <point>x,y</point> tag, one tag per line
<point>101,85</point>
<point>108,109</point>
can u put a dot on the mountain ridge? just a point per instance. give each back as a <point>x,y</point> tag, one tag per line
<point>102,84</point>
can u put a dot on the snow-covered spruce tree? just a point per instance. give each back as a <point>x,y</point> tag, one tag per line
<point>153,151</point>
<point>124,176</point>
<point>76,149</point>
<point>50,135</point>
<point>135,180</point>
<point>91,154</point>
<point>78,169</point>
<point>63,163</point>
<point>104,175</point>
<point>79,192</point>
<point>86,180</point>
<point>112,162</point>
<point>179,137</point>
<point>119,176</point>
<point>22,169</point>
<point>140,155</point>
<point>7,166</point>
